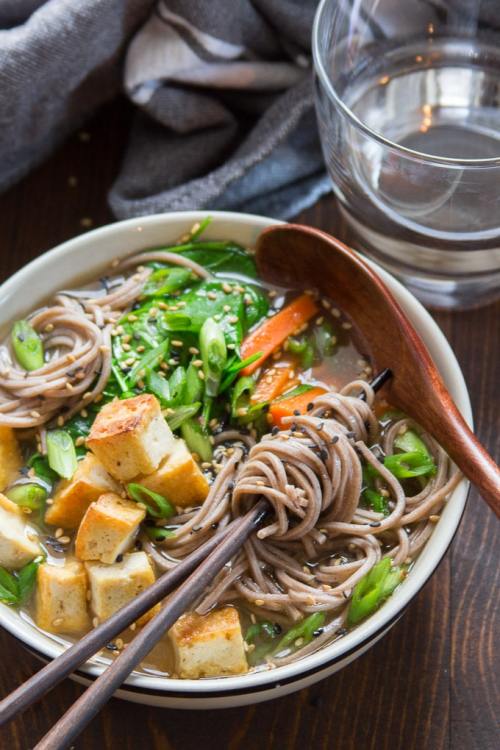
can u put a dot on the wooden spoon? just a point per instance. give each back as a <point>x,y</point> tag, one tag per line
<point>289,254</point>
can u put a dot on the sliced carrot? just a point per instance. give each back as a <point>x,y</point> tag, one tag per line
<point>274,331</point>
<point>273,382</point>
<point>285,407</point>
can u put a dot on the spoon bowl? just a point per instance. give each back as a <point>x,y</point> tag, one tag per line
<point>288,252</point>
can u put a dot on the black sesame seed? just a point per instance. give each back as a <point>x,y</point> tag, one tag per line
<point>335,439</point>
<point>293,427</point>
<point>310,406</point>
<point>350,434</point>
<point>112,647</point>
<point>275,430</point>
<point>323,454</point>
<point>296,413</point>
<point>375,523</point>
<point>119,558</point>
<point>317,632</point>
<point>214,525</point>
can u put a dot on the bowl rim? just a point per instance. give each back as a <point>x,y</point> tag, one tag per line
<point>319,67</point>
<point>50,646</point>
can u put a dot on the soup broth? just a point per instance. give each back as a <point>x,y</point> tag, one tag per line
<point>255,391</point>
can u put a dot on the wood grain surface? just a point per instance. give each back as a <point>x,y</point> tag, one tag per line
<point>431,684</point>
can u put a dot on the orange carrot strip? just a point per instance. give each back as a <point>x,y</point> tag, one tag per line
<point>273,331</point>
<point>285,407</point>
<point>273,382</point>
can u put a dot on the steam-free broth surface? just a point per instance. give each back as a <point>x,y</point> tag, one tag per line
<point>145,411</point>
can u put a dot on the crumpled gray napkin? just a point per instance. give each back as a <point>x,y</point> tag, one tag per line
<point>223,88</point>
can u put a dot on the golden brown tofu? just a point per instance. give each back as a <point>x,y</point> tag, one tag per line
<point>113,586</point>
<point>73,496</point>
<point>108,528</point>
<point>18,544</point>
<point>208,645</point>
<point>178,478</point>
<point>10,457</point>
<point>61,598</point>
<point>130,436</point>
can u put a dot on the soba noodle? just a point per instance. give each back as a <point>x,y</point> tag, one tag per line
<point>320,539</point>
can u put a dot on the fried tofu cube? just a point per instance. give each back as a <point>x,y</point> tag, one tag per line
<point>61,598</point>
<point>208,645</point>
<point>10,457</point>
<point>108,528</point>
<point>113,586</point>
<point>18,545</point>
<point>178,478</point>
<point>73,496</point>
<point>131,437</point>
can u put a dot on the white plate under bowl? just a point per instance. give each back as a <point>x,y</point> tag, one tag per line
<point>87,256</point>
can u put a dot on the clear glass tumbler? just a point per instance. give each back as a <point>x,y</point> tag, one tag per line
<point>408,103</point>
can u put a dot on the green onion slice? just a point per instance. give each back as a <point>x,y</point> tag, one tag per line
<point>27,345</point>
<point>372,590</point>
<point>61,453</point>
<point>28,495</point>
<point>156,505</point>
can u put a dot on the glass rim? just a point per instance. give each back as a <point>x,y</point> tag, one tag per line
<point>373,134</point>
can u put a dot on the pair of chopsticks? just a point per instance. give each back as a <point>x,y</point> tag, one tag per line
<point>195,573</point>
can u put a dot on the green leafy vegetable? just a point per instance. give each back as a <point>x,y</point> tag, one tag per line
<point>122,383</point>
<point>233,367</point>
<point>372,590</point>
<point>194,385</point>
<point>158,533</point>
<point>370,494</point>
<point>177,386</point>
<point>28,495</point>
<point>147,363</point>
<point>16,588</point>
<point>264,628</point>
<point>410,442</point>
<point>181,414</point>
<point>297,391</point>
<point>40,466</point>
<point>223,257</point>
<point>240,398</point>
<point>303,630</point>
<point>27,345</point>
<point>159,387</point>
<point>197,439</point>
<point>156,505</point>
<point>164,281</point>
<point>61,453</point>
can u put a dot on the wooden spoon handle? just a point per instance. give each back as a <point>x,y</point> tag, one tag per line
<point>454,435</point>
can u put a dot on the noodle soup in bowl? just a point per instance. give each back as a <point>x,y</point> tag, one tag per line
<point>90,256</point>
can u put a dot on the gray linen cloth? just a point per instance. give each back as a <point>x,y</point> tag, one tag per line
<point>223,89</point>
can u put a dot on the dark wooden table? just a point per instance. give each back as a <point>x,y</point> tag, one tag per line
<point>431,684</point>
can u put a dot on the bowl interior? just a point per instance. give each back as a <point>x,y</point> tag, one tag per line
<point>87,256</point>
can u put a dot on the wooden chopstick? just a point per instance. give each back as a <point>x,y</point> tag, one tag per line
<point>89,704</point>
<point>49,676</point>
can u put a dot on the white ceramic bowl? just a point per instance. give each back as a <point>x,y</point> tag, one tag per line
<point>86,256</point>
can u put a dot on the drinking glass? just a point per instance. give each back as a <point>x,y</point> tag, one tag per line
<point>408,104</point>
